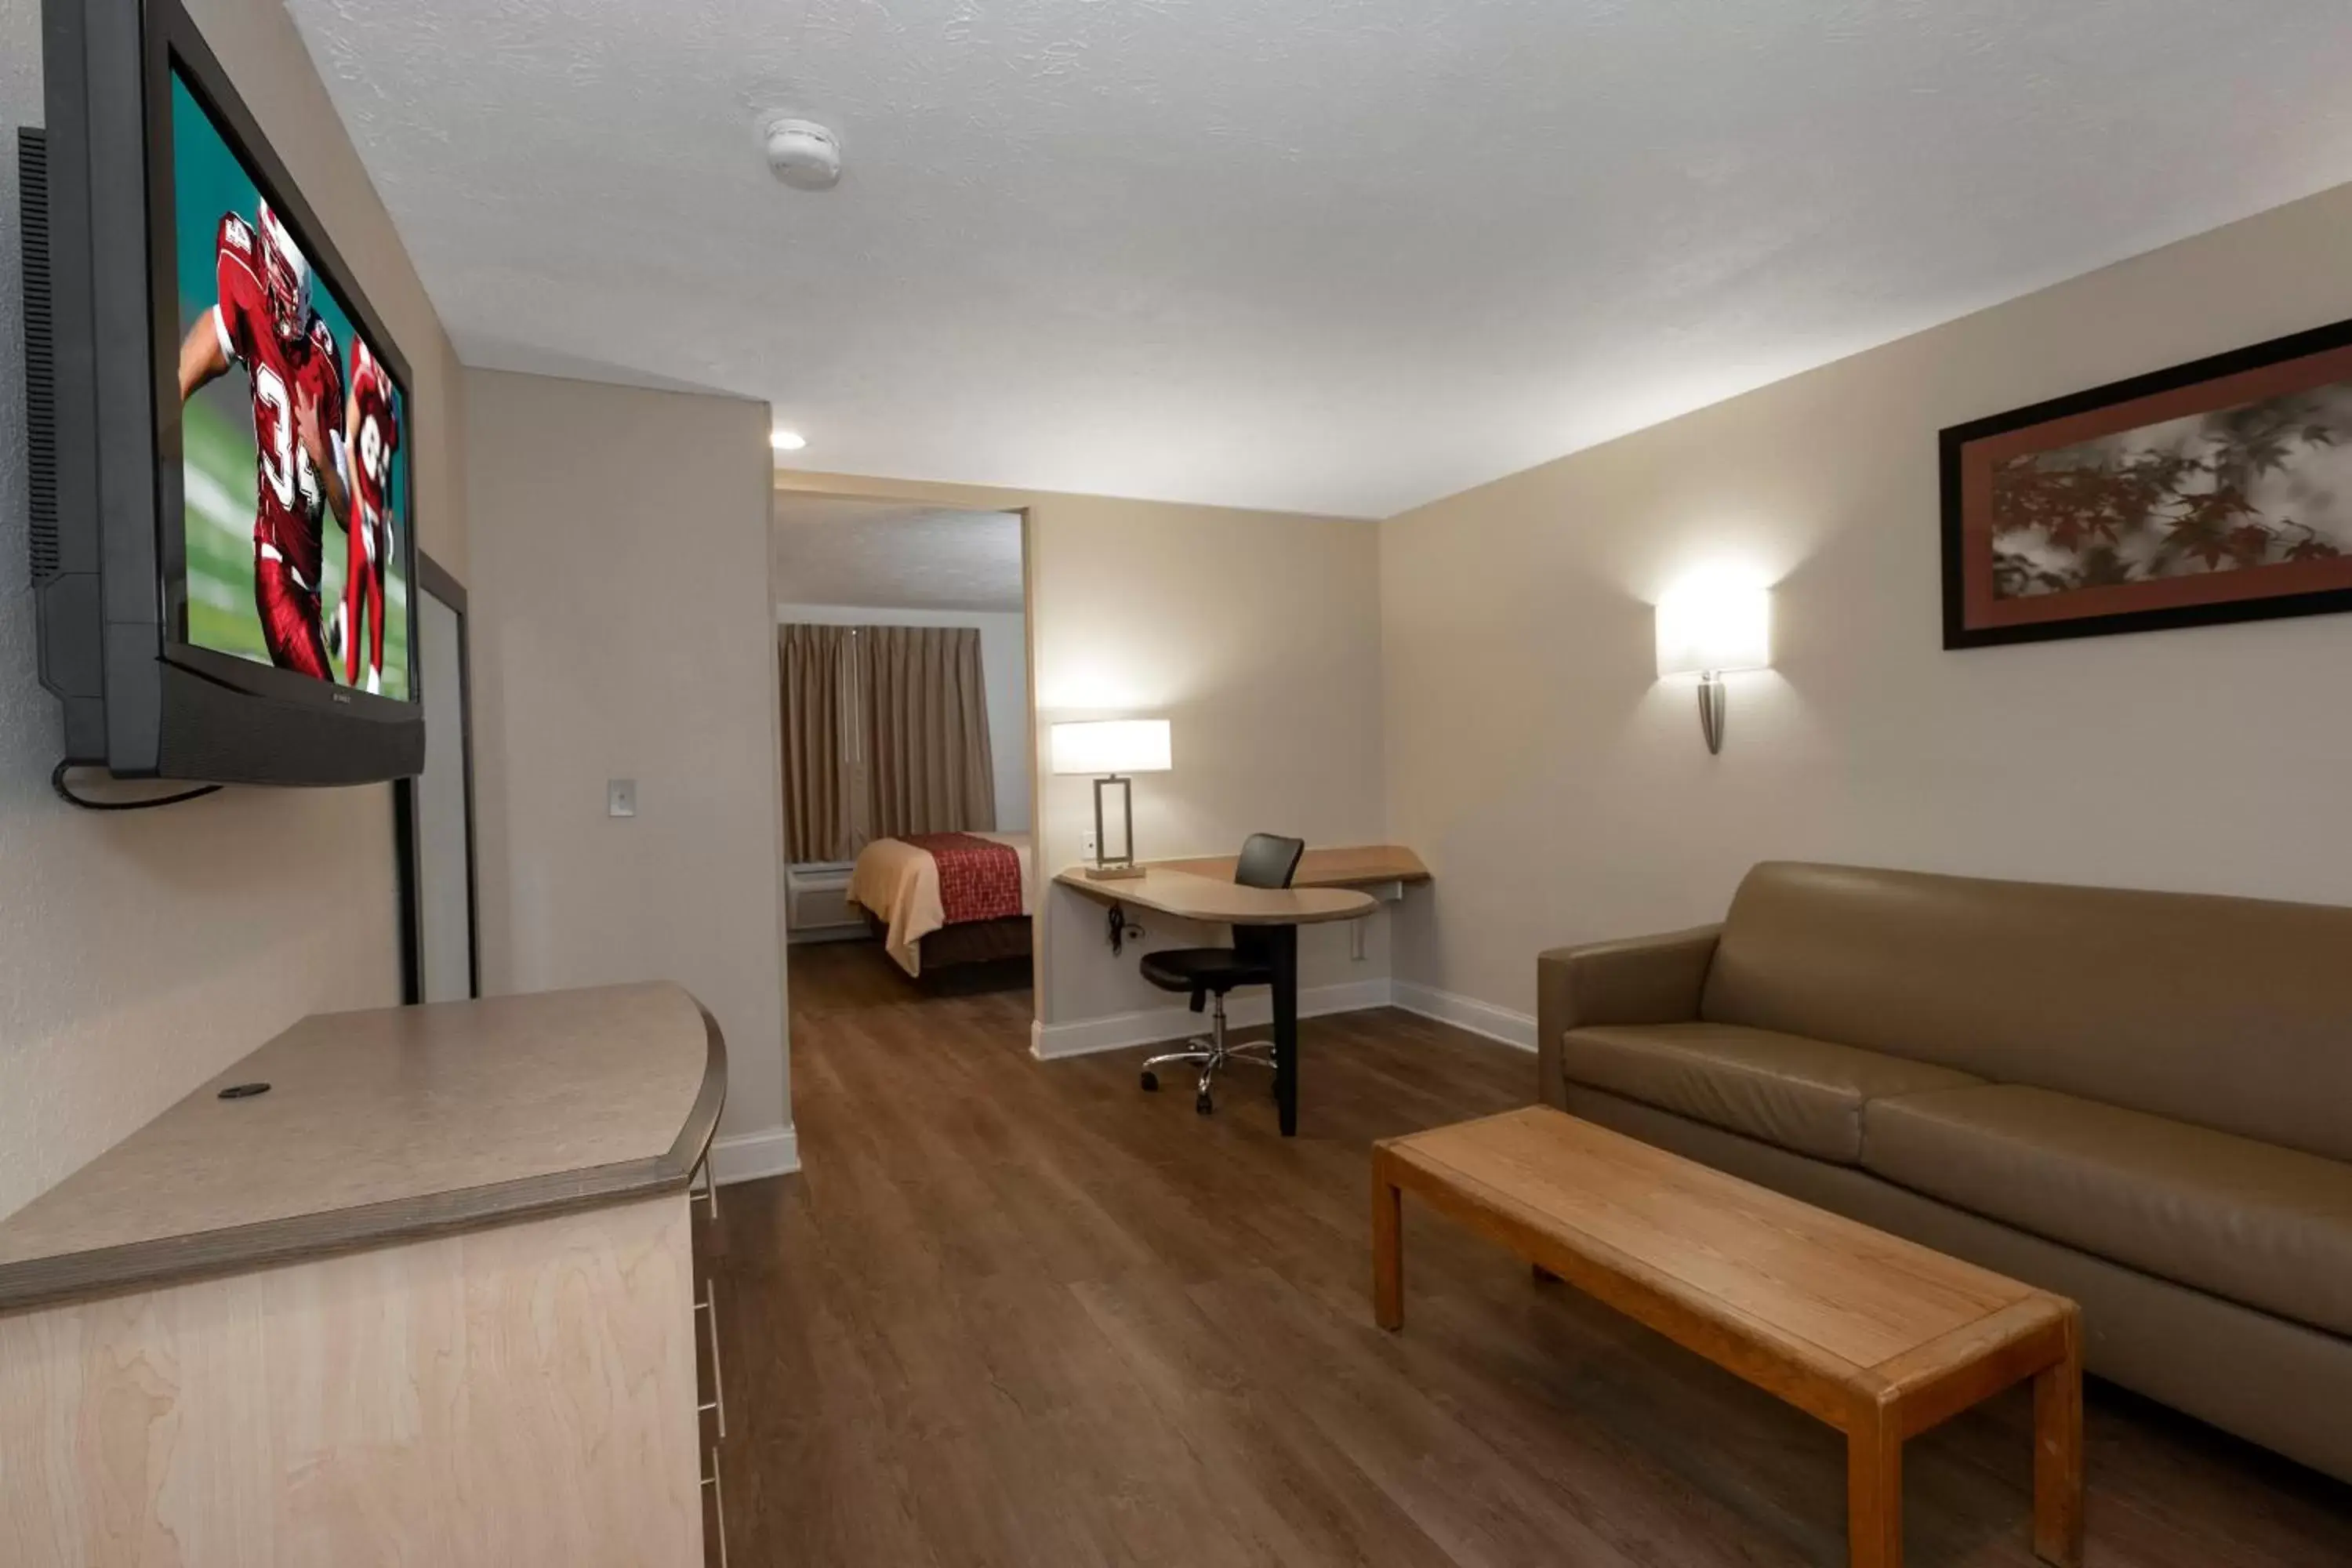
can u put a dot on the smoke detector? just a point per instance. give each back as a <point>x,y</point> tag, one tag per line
<point>804,154</point>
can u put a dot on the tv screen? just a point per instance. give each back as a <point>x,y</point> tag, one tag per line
<point>294,446</point>
<point>224,551</point>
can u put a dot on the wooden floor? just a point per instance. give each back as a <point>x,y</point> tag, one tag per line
<point>1020,1313</point>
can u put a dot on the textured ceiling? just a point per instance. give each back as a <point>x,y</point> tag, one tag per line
<point>884,556</point>
<point>1333,255</point>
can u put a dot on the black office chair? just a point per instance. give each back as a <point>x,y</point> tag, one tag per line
<point>1266,861</point>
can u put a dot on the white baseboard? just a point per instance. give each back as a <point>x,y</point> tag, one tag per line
<point>748,1156</point>
<point>1049,1042</point>
<point>1466,1013</point>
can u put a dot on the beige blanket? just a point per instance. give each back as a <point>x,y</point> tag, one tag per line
<point>900,884</point>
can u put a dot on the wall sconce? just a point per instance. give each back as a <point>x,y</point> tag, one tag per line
<point>1111,749</point>
<point>1708,627</point>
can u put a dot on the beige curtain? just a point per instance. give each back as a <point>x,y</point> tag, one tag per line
<point>819,670</point>
<point>886,733</point>
<point>924,732</point>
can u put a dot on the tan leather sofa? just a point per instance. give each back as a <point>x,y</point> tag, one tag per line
<point>2142,1100</point>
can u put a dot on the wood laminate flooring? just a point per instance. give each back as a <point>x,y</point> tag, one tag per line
<point>1020,1313</point>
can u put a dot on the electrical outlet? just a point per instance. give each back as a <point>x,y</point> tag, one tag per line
<point>620,797</point>
<point>1086,845</point>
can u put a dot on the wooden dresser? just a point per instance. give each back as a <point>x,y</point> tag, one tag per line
<point>430,1298</point>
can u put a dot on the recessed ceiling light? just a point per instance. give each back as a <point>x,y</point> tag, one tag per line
<point>784,440</point>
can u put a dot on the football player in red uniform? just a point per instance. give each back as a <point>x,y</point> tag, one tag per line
<point>370,435</point>
<point>263,322</point>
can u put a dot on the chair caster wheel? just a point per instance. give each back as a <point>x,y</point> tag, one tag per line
<point>1151,1081</point>
<point>1204,1104</point>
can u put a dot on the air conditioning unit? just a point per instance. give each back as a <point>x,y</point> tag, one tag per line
<point>817,906</point>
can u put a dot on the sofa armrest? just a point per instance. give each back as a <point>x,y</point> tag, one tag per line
<point>1646,980</point>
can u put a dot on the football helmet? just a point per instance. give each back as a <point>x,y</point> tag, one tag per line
<point>285,276</point>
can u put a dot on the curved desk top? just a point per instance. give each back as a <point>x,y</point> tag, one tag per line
<point>384,1126</point>
<point>1190,896</point>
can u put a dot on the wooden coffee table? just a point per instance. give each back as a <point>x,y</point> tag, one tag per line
<point>1875,1335</point>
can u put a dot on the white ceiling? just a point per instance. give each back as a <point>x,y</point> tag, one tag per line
<point>1341,255</point>
<point>884,556</point>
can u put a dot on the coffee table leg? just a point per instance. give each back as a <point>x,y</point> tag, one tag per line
<point>1873,1492</point>
<point>2058,1454</point>
<point>1388,1246</point>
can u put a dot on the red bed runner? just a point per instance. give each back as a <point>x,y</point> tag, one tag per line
<point>980,879</point>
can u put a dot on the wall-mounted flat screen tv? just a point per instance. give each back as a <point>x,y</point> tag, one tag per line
<point>223,571</point>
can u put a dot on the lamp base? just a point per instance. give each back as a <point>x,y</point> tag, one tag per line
<point>1113,873</point>
<point>1713,709</point>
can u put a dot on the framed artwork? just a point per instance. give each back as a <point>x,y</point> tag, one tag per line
<point>2216,491</point>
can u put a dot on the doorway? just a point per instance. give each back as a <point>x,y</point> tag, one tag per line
<point>909,762</point>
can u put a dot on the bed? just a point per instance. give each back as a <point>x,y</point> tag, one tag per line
<point>942,898</point>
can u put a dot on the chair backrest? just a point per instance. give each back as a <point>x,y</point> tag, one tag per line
<point>2231,1014</point>
<point>1268,861</point>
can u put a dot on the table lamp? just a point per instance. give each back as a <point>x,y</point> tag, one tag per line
<point>1111,749</point>
<point>1706,627</point>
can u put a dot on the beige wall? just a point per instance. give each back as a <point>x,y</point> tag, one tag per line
<point>140,953</point>
<point>1257,635</point>
<point>623,629</point>
<point>1560,794</point>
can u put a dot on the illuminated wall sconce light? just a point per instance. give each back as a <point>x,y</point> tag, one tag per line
<point>1708,628</point>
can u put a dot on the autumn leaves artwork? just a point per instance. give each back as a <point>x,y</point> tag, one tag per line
<point>2217,491</point>
<point>2214,492</point>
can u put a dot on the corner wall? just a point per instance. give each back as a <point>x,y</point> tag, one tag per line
<point>142,953</point>
<point>625,630</point>
<point>1562,794</point>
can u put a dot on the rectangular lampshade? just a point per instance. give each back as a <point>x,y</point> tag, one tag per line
<point>1714,627</point>
<point>1112,746</point>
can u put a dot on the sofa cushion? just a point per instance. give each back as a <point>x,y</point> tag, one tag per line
<point>1800,1093</point>
<point>2262,1226</point>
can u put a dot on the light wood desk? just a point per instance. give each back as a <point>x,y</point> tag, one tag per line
<point>1349,866</point>
<point>1188,895</point>
<point>1383,871</point>
<point>1174,889</point>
